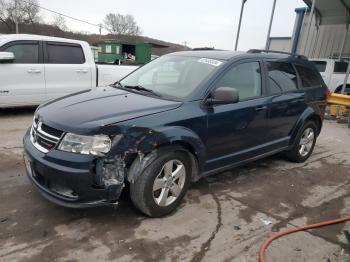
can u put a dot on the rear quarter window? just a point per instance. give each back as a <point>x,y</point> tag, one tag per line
<point>309,78</point>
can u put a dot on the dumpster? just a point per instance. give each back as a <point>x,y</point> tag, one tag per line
<point>118,52</point>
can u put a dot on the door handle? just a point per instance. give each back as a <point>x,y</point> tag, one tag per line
<point>82,71</point>
<point>260,108</point>
<point>34,71</point>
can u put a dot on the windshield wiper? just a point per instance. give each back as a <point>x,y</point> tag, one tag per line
<point>116,84</point>
<point>141,88</point>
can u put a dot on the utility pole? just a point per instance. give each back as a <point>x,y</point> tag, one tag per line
<point>16,15</point>
<point>270,26</point>
<point>239,23</point>
<point>185,43</point>
<point>100,30</point>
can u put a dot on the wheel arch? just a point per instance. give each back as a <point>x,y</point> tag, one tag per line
<point>169,138</point>
<point>310,114</point>
<point>338,89</point>
<point>318,121</point>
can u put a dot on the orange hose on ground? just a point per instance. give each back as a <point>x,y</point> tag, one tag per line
<point>268,241</point>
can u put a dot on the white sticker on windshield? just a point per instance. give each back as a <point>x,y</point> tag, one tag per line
<point>212,62</point>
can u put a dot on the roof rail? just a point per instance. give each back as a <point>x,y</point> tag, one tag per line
<point>255,51</point>
<point>206,49</point>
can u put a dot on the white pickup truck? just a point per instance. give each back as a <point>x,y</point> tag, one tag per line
<point>333,73</point>
<point>35,69</point>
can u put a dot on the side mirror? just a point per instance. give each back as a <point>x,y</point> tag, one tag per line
<point>224,95</point>
<point>6,57</point>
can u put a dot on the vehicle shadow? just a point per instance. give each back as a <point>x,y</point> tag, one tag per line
<point>20,111</point>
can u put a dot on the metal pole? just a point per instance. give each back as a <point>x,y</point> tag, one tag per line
<point>310,22</point>
<point>344,41</point>
<point>316,42</point>
<point>239,24</point>
<point>270,25</point>
<point>343,91</point>
<point>346,78</point>
<point>16,15</point>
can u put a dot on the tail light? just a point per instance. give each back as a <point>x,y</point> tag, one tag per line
<point>328,93</point>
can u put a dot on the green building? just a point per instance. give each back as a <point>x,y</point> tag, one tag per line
<point>114,51</point>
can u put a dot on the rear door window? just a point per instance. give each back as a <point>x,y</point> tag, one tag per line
<point>320,65</point>
<point>25,53</point>
<point>309,78</point>
<point>281,77</point>
<point>58,53</point>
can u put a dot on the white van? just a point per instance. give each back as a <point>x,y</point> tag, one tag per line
<point>333,73</point>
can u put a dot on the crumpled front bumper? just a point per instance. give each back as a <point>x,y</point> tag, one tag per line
<point>67,179</point>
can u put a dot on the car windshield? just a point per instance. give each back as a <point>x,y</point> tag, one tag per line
<point>172,76</point>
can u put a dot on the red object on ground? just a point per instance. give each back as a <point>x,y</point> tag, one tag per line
<point>273,237</point>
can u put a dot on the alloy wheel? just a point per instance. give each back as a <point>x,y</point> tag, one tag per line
<point>169,183</point>
<point>306,141</point>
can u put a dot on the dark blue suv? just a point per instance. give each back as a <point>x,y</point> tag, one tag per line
<point>181,117</point>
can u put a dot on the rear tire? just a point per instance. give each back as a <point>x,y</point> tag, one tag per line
<point>161,186</point>
<point>304,143</point>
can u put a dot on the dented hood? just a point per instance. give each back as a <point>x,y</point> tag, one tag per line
<point>89,110</point>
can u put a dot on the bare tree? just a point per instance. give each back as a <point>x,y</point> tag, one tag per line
<point>3,14</point>
<point>119,24</point>
<point>28,11</point>
<point>60,22</point>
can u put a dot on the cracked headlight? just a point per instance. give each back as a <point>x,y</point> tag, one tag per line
<point>94,145</point>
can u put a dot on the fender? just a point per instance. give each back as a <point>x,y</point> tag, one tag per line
<point>141,142</point>
<point>310,112</point>
<point>182,135</point>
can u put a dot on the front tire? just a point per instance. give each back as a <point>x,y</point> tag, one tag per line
<point>161,186</point>
<point>304,143</point>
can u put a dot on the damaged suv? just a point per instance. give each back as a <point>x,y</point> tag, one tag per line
<point>181,117</point>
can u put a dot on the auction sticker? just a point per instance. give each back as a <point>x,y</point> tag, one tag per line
<point>208,61</point>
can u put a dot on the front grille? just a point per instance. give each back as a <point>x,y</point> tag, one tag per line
<point>44,137</point>
<point>51,131</point>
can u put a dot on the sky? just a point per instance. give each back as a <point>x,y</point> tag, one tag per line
<point>200,23</point>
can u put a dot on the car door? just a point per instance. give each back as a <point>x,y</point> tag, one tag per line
<point>286,101</point>
<point>23,80</point>
<point>66,69</point>
<point>236,132</point>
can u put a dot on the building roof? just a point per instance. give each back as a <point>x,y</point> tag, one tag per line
<point>126,42</point>
<point>331,11</point>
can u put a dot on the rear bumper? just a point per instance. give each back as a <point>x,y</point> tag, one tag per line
<point>67,179</point>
